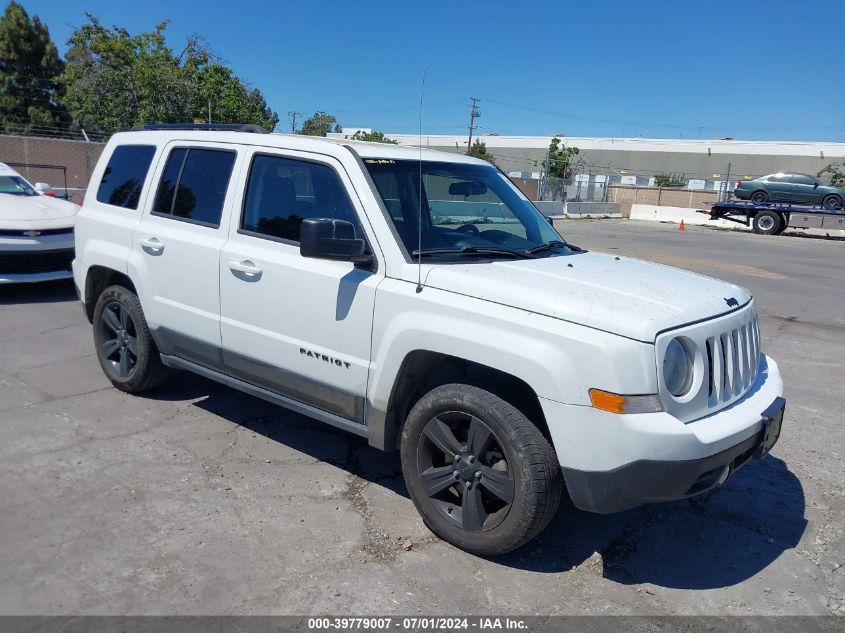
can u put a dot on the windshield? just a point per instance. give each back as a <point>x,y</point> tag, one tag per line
<point>16,186</point>
<point>469,208</point>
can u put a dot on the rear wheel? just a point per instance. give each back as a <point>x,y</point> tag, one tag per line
<point>759,197</point>
<point>125,348</point>
<point>832,202</point>
<point>766,223</point>
<point>482,476</point>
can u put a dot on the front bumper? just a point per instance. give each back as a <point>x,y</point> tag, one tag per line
<point>40,258</point>
<point>615,462</point>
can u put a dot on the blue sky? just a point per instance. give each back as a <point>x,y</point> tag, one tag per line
<point>663,68</point>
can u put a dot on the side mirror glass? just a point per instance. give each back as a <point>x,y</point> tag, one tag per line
<point>325,238</point>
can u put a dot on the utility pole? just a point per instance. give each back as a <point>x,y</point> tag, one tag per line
<point>293,116</point>
<point>322,122</point>
<point>209,111</point>
<point>473,115</point>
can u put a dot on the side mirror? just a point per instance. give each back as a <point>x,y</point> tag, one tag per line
<point>44,189</point>
<point>324,238</point>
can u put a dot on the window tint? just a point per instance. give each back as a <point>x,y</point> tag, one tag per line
<point>282,192</point>
<point>459,205</point>
<point>194,183</point>
<point>125,175</point>
<point>801,179</point>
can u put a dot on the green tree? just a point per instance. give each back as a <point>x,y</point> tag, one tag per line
<point>479,150</point>
<point>836,174</point>
<point>374,137</point>
<point>116,80</point>
<point>320,124</point>
<point>231,100</point>
<point>669,180</point>
<point>30,70</point>
<point>562,161</point>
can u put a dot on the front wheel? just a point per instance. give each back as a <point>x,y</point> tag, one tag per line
<point>482,476</point>
<point>766,223</point>
<point>124,345</point>
<point>832,202</point>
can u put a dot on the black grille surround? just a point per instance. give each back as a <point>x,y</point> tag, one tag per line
<point>38,232</point>
<point>34,262</point>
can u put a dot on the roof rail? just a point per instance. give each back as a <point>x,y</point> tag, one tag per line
<point>208,127</point>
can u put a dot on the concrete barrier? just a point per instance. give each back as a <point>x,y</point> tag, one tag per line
<point>655,213</point>
<point>573,209</point>
<point>550,208</point>
<point>577,209</point>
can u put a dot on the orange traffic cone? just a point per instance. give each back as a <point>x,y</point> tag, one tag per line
<point>681,226</point>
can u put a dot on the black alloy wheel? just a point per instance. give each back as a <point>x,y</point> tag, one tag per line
<point>465,472</point>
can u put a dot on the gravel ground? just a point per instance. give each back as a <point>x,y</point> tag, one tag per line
<point>200,500</point>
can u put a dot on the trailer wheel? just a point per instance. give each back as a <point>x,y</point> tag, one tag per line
<point>767,223</point>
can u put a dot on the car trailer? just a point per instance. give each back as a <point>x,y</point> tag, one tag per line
<point>773,219</point>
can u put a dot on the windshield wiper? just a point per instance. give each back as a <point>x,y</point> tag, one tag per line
<point>554,244</point>
<point>482,251</point>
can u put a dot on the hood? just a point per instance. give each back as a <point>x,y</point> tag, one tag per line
<point>35,212</point>
<point>629,297</point>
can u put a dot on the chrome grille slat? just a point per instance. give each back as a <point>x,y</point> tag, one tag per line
<point>730,359</point>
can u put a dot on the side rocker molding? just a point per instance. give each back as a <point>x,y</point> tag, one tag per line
<point>265,394</point>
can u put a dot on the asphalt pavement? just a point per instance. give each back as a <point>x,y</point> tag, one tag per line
<point>196,499</point>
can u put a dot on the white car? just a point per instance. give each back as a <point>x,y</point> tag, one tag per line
<point>418,299</point>
<point>36,231</point>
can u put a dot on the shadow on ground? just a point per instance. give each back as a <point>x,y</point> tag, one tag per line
<point>740,530</point>
<point>43,292</point>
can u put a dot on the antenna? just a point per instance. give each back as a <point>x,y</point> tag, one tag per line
<point>419,197</point>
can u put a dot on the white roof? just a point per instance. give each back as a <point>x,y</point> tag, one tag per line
<point>5,170</point>
<point>295,142</point>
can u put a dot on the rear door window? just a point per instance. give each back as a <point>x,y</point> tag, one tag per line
<point>124,176</point>
<point>801,179</point>
<point>194,184</point>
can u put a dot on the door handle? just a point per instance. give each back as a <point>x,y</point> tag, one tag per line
<point>246,267</point>
<point>151,244</point>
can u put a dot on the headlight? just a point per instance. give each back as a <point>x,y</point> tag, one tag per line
<point>677,368</point>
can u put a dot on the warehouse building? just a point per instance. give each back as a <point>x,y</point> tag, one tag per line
<point>704,164</point>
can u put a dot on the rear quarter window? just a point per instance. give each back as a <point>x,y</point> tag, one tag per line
<point>124,176</point>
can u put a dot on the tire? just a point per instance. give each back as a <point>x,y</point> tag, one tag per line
<point>466,453</point>
<point>759,197</point>
<point>126,350</point>
<point>767,223</point>
<point>832,201</point>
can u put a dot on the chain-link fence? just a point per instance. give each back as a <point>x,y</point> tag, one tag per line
<point>627,196</point>
<point>577,188</point>
<point>51,160</point>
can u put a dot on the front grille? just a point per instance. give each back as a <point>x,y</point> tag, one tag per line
<point>733,358</point>
<point>726,359</point>
<point>33,262</point>
<point>38,232</point>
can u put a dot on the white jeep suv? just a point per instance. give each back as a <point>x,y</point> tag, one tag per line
<point>418,299</point>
